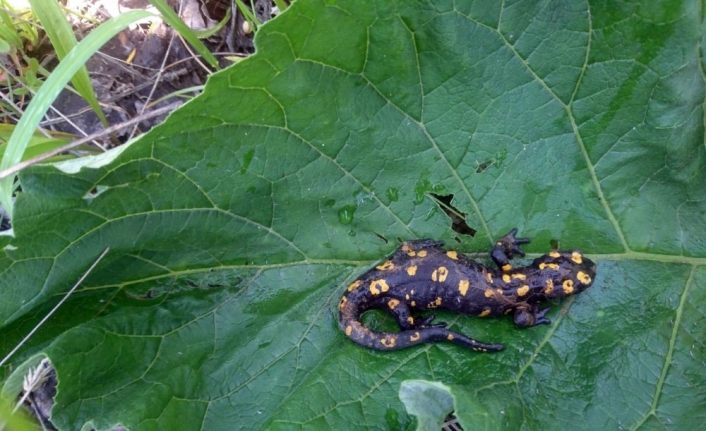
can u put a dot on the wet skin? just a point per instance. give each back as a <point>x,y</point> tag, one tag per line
<point>422,275</point>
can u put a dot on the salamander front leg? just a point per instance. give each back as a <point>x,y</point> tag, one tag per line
<point>505,248</point>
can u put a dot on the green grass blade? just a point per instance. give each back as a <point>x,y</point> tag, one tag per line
<point>203,34</point>
<point>14,420</point>
<point>281,5</point>
<point>62,38</point>
<point>38,144</point>
<point>8,32</point>
<point>177,24</point>
<point>247,13</point>
<point>51,88</point>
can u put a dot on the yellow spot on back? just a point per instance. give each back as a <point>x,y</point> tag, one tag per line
<point>393,303</point>
<point>519,276</point>
<point>463,287</point>
<point>349,330</point>
<point>485,312</point>
<point>389,341</point>
<point>507,267</point>
<point>440,274</point>
<point>568,286</point>
<point>406,296</point>
<point>452,254</point>
<point>549,286</point>
<point>343,302</point>
<point>450,337</point>
<point>353,286</point>
<point>554,254</point>
<point>506,278</point>
<point>489,293</point>
<point>422,253</point>
<point>576,257</point>
<point>379,285</point>
<point>410,320</point>
<point>523,290</point>
<point>544,265</point>
<point>583,277</point>
<point>411,253</point>
<point>413,303</point>
<point>415,336</point>
<point>489,277</point>
<point>412,270</point>
<point>443,273</point>
<point>435,303</point>
<point>386,266</point>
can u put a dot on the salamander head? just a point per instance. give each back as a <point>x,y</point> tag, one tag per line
<point>565,273</point>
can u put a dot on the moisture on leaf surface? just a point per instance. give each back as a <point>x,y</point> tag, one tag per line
<point>233,227</point>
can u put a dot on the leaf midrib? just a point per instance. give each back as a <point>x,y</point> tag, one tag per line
<point>629,256</point>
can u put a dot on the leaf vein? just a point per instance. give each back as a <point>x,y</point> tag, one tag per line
<point>670,352</point>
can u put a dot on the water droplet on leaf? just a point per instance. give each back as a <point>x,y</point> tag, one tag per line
<point>247,158</point>
<point>345,214</point>
<point>420,189</point>
<point>393,194</point>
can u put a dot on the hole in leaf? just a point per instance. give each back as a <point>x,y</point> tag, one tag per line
<point>496,160</point>
<point>458,218</point>
<point>484,165</point>
<point>4,221</point>
<point>39,390</point>
<point>95,192</point>
<point>451,423</point>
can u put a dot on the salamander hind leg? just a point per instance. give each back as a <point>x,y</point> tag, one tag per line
<point>428,322</point>
<point>506,248</point>
<point>400,311</point>
<point>404,317</point>
<point>525,317</point>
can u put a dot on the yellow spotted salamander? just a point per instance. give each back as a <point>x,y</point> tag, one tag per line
<point>422,275</point>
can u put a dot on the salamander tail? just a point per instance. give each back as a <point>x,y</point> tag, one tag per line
<point>356,331</point>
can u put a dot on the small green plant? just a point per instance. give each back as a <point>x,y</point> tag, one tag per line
<point>18,28</point>
<point>74,60</point>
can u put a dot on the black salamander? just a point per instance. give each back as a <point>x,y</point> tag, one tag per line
<point>422,275</point>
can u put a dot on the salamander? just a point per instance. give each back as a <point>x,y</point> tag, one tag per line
<point>423,275</point>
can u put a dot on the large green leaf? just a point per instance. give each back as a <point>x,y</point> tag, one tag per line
<point>233,226</point>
